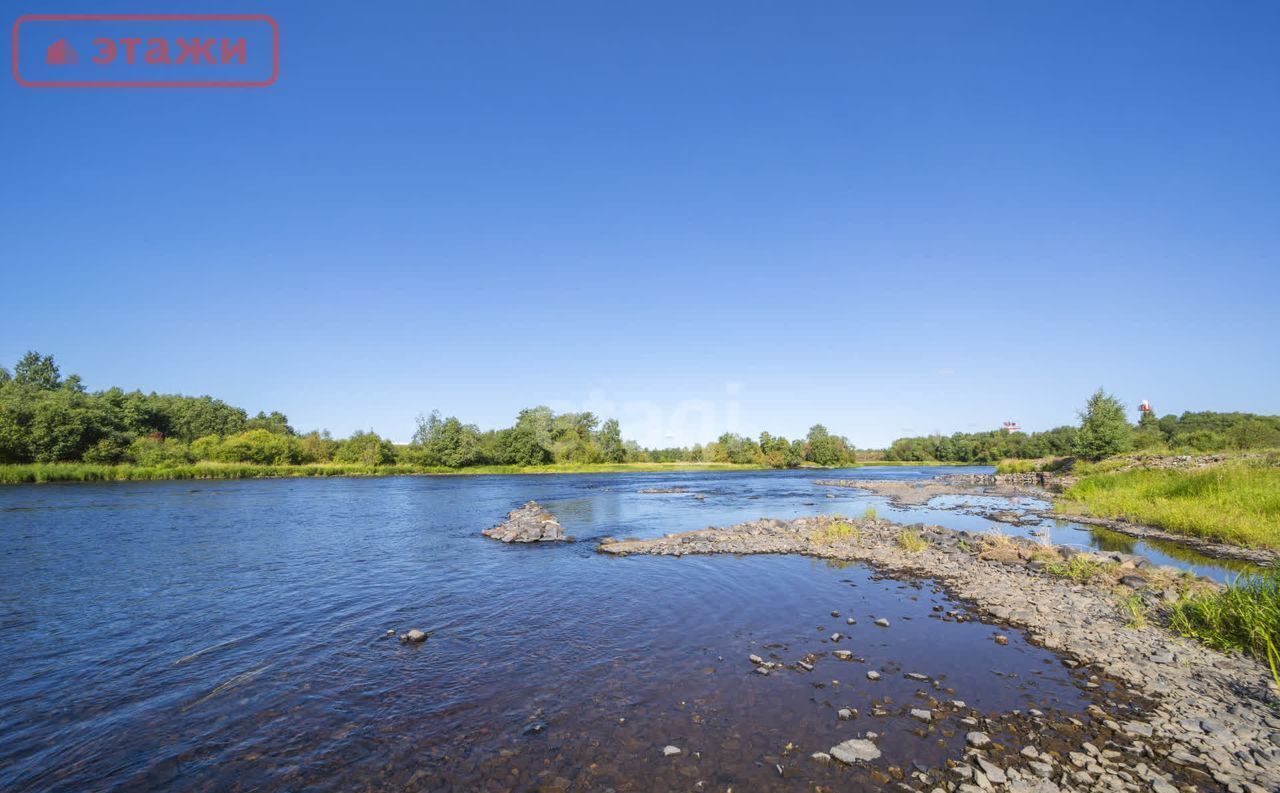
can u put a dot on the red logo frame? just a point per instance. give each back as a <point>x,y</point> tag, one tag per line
<point>275,50</point>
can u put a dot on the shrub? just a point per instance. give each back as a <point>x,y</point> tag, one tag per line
<point>159,452</point>
<point>912,541</point>
<point>838,530</point>
<point>260,447</point>
<point>366,448</point>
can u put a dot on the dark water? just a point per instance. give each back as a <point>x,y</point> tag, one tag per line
<point>228,636</point>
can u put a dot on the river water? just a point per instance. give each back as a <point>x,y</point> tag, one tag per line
<point>232,636</point>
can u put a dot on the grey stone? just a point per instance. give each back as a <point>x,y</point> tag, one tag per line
<point>994,772</point>
<point>668,751</point>
<point>1139,728</point>
<point>977,740</point>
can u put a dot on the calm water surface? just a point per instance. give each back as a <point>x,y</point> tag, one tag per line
<point>231,635</point>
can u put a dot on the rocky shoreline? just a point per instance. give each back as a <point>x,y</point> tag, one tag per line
<point>1043,486</point>
<point>1213,723</point>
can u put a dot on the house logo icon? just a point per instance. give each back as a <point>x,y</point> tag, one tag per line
<point>60,53</point>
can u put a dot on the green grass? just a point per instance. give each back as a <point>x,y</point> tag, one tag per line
<point>1018,466</point>
<point>1136,609</point>
<point>1236,503</point>
<point>1244,618</point>
<point>1077,568</point>
<point>912,541</point>
<point>87,472</point>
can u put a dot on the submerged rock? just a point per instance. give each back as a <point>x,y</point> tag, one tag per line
<point>668,751</point>
<point>855,750</point>
<point>530,523</point>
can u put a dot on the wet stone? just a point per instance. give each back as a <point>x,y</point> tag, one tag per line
<point>855,750</point>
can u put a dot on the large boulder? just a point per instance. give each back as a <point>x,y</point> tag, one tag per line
<point>530,523</point>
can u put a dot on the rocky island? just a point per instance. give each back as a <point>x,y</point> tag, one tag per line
<point>530,523</point>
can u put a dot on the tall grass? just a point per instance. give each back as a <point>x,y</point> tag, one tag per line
<point>1236,503</point>
<point>1245,617</point>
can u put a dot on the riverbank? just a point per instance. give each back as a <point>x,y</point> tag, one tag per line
<point>1067,602</point>
<point>36,473</point>
<point>86,472</point>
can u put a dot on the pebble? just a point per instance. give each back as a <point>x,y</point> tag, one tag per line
<point>669,750</point>
<point>882,622</point>
<point>844,714</point>
<point>921,714</point>
<point>873,675</point>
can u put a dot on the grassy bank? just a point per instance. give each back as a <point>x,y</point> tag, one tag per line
<point>1244,618</point>
<point>86,472</point>
<point>1237,503</point>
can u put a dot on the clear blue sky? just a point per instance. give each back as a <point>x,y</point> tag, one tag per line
<point>889,217</point>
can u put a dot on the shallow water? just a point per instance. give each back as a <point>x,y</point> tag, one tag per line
<point>232,635</point>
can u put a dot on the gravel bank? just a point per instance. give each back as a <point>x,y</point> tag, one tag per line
<point>1213,725</point>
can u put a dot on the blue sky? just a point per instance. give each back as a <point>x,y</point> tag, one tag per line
<point>892,218</point>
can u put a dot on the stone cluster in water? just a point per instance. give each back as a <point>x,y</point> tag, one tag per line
<point>530,523</point>
<point>1213,724</point>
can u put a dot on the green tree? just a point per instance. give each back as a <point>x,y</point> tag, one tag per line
<point>823,448</point>
<point>275,422</point>
<point>1104,430</point>
<point>611,444</point>
<point>37,371</point>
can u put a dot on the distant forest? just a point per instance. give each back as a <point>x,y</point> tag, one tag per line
<point>45,418</point>
<point>1190,432</point>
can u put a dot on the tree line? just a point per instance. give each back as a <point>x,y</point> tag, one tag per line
<point>46,418</point>
<point>1104,430</point>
